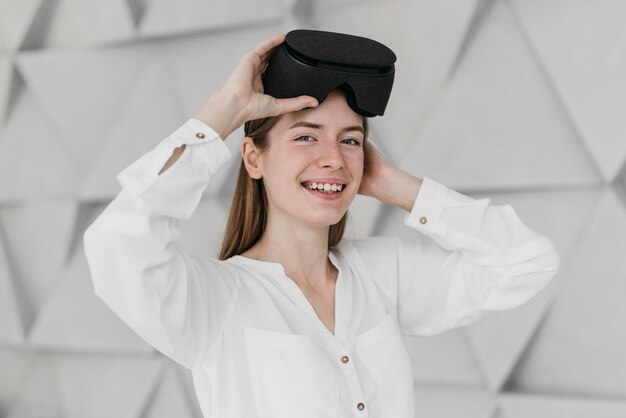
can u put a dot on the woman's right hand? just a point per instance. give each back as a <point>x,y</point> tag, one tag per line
<point>242,98</point>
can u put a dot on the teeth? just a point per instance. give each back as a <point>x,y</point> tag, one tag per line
<point>325,187</point>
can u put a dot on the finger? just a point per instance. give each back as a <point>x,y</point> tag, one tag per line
<point>272,43</point>
<point>264,68</point>
<point>265,60</point>
<point>263,49</point>
<point>293,104</point>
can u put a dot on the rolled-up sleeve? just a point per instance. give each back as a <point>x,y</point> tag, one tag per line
<point>176,302</point>
<point>471,258</point>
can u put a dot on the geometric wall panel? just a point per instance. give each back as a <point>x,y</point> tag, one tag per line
<point>170,398</point>
<point>144,120</point>
<point>542,406</point>
<point>99,82</point>
<point>453,402</point>
<point>72,23</point>
<point>14,368</point>
<point>186,378</point>
<point>200,64</point>
<point>70,386</point>
<point>37,258</point>
<point>11,327</point>
<point>15,20</point>
<point>129,382</point>
<point>500,340</point>
<point>446,358</point>
<point>46,166</point>
<point>87,212</point>
<point>66,321</point>
<point>499,125</point>
<point>580,348</point>
<point>202,233</point>
<point>581,44</point>
<point>6,71</point>
<point>39,394</point>
<point>166,17</point>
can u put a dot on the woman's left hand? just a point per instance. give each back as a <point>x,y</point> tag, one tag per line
<point>375,167</point>
<point>387,183</point>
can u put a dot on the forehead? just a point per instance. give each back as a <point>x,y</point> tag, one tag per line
<point>333,113</point>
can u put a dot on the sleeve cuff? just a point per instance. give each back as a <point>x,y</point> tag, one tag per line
<point>194,131</point>
<point>427,207</point>
<point>205,148</point>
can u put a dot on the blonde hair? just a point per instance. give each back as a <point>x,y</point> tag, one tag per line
<point>249,208</point>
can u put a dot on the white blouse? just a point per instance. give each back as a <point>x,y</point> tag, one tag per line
<point>253,342</point>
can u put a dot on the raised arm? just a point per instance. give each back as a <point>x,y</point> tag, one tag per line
<point>242,99</point>
<point>175,301</point>
<point>471,258</point>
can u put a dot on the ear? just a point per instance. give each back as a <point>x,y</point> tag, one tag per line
<point>250,155</point>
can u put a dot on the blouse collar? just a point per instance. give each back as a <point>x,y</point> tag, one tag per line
<point>272,266</point>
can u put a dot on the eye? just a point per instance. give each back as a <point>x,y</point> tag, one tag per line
<point>352,141</point>
<point>307,138</point>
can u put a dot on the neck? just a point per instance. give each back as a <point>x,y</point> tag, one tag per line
<point>301,249</point>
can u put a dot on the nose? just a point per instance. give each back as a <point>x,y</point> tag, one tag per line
<point>330,155</point>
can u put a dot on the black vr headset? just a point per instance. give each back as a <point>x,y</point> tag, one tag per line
<point>312,62</point>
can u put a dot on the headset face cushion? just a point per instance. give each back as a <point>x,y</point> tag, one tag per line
<point>313,63</point>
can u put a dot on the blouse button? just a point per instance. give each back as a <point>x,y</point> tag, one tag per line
<point>200,135</point>
<point>360,406</point>
<point>423,220</point>
<point>345,359</point>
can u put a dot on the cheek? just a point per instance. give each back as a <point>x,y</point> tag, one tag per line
<point>284,170</point>
<point>356,163</point>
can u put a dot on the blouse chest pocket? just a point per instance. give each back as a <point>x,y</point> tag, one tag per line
<point>384,356</point>
<point>291,376</point>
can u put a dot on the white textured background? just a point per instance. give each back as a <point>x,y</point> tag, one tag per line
<point>522,101</point>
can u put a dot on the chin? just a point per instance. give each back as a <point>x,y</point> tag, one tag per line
<point>330,220</point>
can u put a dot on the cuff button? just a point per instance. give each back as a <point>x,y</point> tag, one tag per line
<point>200,135</point>
<point>423,220</point>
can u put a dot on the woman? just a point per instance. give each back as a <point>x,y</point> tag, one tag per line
<point>293,321</point>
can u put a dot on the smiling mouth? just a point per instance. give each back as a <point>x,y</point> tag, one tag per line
<point>324,187</point>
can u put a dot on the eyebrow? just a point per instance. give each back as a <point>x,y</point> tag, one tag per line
<point>305,124</point>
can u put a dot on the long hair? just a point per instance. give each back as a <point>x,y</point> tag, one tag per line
<point>249,208</point>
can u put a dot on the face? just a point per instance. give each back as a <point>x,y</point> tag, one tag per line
<point>309,150</point>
